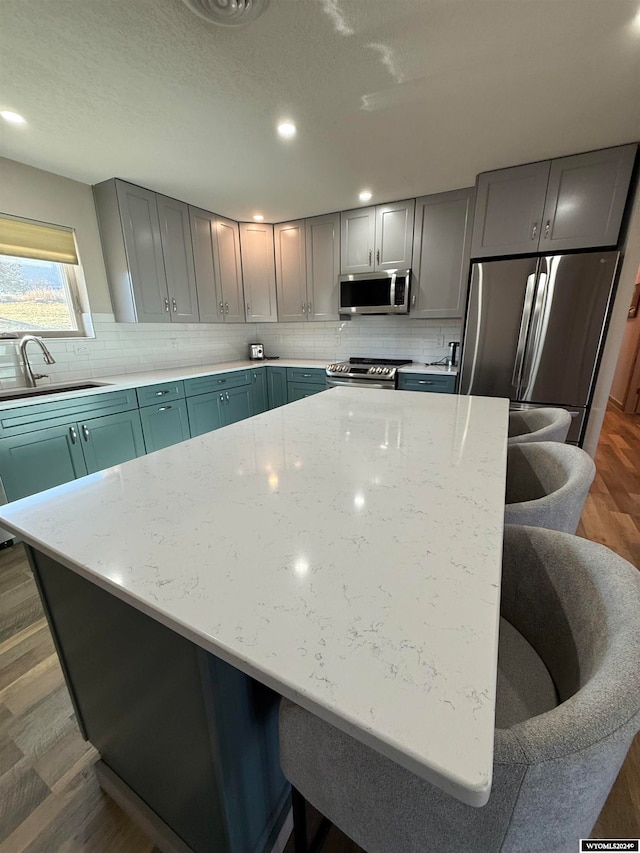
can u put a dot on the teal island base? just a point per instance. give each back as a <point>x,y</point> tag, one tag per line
<point>188,743</point>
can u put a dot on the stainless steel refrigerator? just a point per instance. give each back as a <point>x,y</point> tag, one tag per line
<point>534,329</point>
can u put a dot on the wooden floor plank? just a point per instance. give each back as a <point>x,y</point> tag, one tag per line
<point>48,788</point>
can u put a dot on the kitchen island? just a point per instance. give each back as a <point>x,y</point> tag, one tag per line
<point>343,551</point>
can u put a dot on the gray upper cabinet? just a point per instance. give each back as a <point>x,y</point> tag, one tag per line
<point>508,212</point>
<point>146,244</point>
<point>394,235</point>
<point>216,253</point>
<point>258,272</point>
<point>132,249</point>
<point>441,245</point>
<point>586,198</point>
<point>175,233</point>
<point>229,268</point>
<point>573,202</point>
<point>291,271</point>
<point>357,243</point>
<point>307,268</point>
<point>323,266</point>
<point>377,238</point>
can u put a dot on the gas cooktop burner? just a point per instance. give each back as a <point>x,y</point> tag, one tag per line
<point>367,370</point>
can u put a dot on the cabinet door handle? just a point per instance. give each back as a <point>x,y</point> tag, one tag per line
<point>369,257</point>
<point>166,303</point>
<point>85,432</point>
<point>309,308</point>
<point>227,395</point>
<point>547,228</point>
<point>378,256</point>
<point>164,408</point>
<point>413,301</point>
<point>221,304</point>
<point>248,308</point>
<point>226,307</point>
<point>304,307</point>
<point>175,304</point>
<point>162,393</point>
<point>222,398</point>
<point>73,434</point>
<point>534,231</point>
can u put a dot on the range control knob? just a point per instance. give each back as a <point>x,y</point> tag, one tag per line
<point>378,370</point>
<point>385,370</point>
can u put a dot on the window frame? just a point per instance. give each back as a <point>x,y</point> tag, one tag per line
<point>74,281</point>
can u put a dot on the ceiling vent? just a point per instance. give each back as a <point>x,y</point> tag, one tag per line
<point>229,13</point>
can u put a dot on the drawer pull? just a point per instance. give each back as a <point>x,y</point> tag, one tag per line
<point>221,381</point>
<point>165,408</point>
<point>162,393</point>
<point>425,382</point>
<point>306,376</point>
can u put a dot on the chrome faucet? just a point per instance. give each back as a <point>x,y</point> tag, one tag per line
<point>29,375</point>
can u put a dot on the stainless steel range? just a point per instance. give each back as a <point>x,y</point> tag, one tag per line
<point>366,372</point>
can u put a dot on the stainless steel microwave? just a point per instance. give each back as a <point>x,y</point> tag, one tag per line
<point>375,292</point>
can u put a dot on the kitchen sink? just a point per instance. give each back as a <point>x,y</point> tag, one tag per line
<point>27,393</point>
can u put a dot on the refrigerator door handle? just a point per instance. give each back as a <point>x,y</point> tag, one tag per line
<point>536,332</point>
<point>524,328</point>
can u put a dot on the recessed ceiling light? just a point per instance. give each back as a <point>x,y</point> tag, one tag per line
<point>365,195</point>
<point>13,118</point>
<point>287,129</point>
<point>258,217</point>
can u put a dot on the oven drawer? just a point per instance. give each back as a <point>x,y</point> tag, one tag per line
<point>426,382</point>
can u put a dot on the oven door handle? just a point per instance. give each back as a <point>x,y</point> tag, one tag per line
<point>355,383</point>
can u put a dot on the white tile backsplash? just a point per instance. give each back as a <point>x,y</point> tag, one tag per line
<point>127,347</point>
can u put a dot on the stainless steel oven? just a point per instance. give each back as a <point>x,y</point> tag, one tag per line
<point>381,373</point>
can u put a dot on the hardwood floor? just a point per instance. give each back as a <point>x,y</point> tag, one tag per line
<point>49,798</point>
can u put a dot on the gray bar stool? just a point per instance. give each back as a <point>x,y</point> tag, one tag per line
<point>547,485</point>
<point>545,424</point>
<point>568,707</point>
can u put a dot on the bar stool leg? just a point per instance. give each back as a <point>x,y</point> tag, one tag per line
<point>299,821</point>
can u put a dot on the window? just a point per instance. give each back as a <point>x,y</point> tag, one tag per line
<point>39,280</point>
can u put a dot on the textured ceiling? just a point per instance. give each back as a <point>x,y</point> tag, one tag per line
<point>403,96</point>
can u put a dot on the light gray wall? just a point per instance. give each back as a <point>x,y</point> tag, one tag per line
<point>617,327</point>
<point>35,194</point>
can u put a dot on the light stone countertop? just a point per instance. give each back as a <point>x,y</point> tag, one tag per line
<point>174,374</point>
<point>344,549</point>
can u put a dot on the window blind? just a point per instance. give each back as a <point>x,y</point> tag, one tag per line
<point>26,239</point>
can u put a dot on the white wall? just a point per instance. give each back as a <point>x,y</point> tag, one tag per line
<point>617,327</point>
<point>128,348</point>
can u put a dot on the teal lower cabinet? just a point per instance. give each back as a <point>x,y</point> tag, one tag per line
<point>426,382</point>
<point>111,440</point>
<point>236,405</point>
<point>164,425</point>
<point>219,408</point>
<point>276,386</point>
<point>259,397</point>
<point>44,458</point>
<point>300,390</point>
<point>204,413</point>
<point>40,460</point>
<point>303,382</point>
